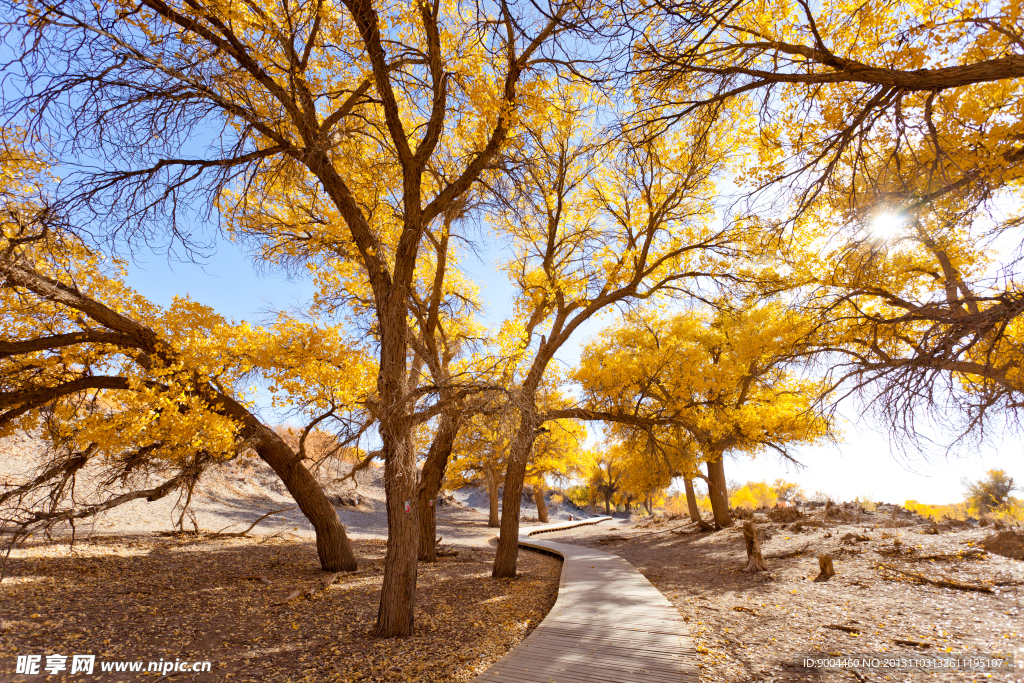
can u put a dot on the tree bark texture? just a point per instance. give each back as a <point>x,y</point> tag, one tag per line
<point>427,546</point>
<point>691,500</point>
<point>718,491</point>
<point>398,590</point>
<point>507,555</point>
<point>755,562</point>
<point>542,506</point>
<point>430,483</point>
<point>493,517</point>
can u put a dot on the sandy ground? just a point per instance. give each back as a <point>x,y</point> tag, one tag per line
<point>751,626</point>
<point>257,608</point>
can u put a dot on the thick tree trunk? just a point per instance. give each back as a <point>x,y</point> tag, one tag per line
<point>607,504</point>
<point>398,589</point>
<point>718,492</point>
<point>542,506</point>
<point>649,506</point>
<point>332,544</point>
<point>427,546</point>
<point>691,500</point>
<point>430,483</point>
<point>507,555</point>
<point>493,517</point>
<point>755,562</point>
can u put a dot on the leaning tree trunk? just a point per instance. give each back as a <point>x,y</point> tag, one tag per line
<point>493,517</point>
<point>649,505</point>
<point>691,501</point>
<point>430,483</point>
<point>507,555</point>
<point>332,544</point>
<point>718,491</point>
<point>542,506</point>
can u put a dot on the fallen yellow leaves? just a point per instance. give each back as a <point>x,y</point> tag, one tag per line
<point>197,600</point>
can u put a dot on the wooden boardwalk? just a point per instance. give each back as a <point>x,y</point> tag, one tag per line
<point>608,625</point>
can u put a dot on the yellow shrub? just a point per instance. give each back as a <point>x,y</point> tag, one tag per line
<point>754,494</point>
<point>676,505</point>
<point>937,512</point>
<point>743,498</point>
<point>1012,511</point>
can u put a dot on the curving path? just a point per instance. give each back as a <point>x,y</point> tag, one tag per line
<point>608,625</point>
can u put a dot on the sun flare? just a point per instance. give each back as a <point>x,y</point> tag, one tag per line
<point>886,226</point>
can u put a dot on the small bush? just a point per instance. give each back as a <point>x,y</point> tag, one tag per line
<point>866,502</point>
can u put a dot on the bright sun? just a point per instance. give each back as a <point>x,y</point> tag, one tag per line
<point>885,226</point>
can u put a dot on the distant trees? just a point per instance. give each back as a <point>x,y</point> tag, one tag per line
<point>558,455</point>
<point>481,456</point>
<point>991,492</point>
<point>788,491</point>
<point>753,495</point>
<point>606,475</point>
<point>694,385</point>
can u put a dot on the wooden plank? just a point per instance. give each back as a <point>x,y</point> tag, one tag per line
<point>584,660</point>
<point>609,624</point>
<point>570,671</point>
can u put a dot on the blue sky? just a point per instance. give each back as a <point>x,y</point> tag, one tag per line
<point>866,464</point>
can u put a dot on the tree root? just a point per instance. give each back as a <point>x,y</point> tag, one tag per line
<point>941,583</point>
<point>325,583</point>
<point>792,553</point>
<point>240,534</point>
<point>949,557</point>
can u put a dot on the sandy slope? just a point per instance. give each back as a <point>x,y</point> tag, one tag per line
<point>233,495</point>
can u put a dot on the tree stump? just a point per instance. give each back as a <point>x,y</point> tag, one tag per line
<point>755,563</point>
<point>825,569</point>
